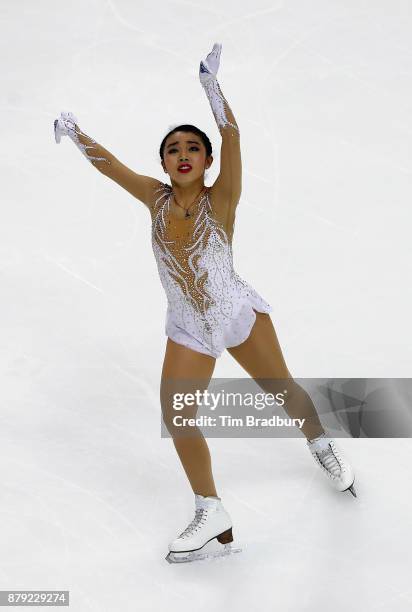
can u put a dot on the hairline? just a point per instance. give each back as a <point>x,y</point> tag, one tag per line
<point>166,146</point>
<point>197,134</point>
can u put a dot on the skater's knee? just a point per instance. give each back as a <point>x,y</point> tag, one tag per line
<point>281,384</point>
<point>177,410</point>
<point>168,414</point>
<point>180,422</point>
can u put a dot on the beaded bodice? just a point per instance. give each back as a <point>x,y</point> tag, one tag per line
<point>194,257</point>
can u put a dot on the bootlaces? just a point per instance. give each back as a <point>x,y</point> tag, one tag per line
<point>200,517</point>
<point>329,461</point>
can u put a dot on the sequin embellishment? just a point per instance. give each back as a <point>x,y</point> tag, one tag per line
<point>195,263</point>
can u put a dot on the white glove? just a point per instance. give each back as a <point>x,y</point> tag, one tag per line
<point>207,74</point>
<point>208,67</point>
<point>65,126</point>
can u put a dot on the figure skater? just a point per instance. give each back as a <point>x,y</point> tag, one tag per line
<point>209,307</point>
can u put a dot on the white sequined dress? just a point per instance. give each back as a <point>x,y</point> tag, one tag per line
<point>210,307</point>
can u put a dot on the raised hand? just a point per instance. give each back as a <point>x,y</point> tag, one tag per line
<point>208,67</point>
<point>207,75</point>
<point>65,125</point>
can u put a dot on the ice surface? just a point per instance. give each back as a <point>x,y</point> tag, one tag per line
<point>91,494</point>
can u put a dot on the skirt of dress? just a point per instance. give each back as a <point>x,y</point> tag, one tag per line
<point>212,334</point>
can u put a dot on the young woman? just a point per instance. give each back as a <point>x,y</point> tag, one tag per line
<point>210,308</point>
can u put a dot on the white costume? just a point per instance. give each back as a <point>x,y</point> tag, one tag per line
<point>210,307</point>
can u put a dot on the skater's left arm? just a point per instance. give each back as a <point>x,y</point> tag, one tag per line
<point>229,181</point>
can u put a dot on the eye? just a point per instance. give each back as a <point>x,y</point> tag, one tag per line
<point>192,147</point>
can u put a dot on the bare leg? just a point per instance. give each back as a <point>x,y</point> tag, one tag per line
<point>184,364</point>
<point>261,356</point>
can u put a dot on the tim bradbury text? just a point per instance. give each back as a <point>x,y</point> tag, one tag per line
<point>228,421</point>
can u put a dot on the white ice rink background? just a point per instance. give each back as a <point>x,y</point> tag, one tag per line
<point>90,493</point>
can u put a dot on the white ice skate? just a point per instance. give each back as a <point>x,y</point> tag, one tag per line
<point>330,458</point>
<point>211,521</point>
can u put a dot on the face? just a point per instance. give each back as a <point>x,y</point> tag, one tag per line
<point>185,147</point>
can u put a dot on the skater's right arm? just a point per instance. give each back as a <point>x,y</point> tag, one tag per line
<point>140,186</point>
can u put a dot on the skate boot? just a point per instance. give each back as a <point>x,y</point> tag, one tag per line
<point>330,458</point>
<point>211,521</point>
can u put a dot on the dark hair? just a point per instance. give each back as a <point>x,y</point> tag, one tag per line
<point>187,128</point>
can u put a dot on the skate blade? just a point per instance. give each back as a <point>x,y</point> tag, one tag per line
<point>188,557</point>
<point>352,490</point>
<point>57,135</point>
